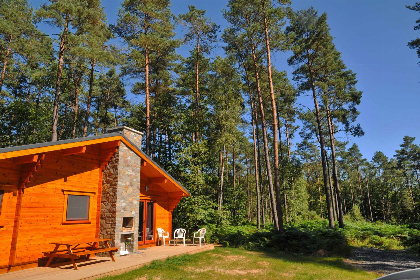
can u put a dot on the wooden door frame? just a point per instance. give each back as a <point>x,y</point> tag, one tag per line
<point>148,242</point>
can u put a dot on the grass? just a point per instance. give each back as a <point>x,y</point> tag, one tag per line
<point>236,263</point>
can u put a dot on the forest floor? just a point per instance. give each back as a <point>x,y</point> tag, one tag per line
<point>382,261</point>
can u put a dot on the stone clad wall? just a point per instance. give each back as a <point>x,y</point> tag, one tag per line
<point>121,190</point>
<point>133,135</point>
<point>109,200</point>
<point>128,191</point>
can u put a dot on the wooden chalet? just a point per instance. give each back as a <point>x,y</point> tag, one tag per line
<point>93,187</point>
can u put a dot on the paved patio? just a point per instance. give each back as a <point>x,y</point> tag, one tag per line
<point>103,266</point>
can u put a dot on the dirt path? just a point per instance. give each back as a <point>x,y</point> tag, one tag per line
<point>383,261</point>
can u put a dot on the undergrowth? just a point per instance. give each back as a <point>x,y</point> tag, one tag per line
<point>314,237</point>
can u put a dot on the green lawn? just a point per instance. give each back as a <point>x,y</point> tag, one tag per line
<point>232,263</point>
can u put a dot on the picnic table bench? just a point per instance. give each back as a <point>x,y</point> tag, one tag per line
<point>76,249</point>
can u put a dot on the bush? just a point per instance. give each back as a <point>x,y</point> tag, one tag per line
<point>305,238</point>
<point>314,237</point>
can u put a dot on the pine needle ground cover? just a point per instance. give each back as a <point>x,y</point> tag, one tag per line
<point>235,263</point>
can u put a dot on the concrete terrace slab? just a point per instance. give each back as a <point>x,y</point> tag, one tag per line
<point>103,266</point>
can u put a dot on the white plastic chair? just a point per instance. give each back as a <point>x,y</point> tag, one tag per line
<point>199,234</point>
<point>179,233</point>
<point>162,235</point>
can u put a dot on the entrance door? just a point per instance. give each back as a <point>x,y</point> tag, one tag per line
<point>146,222</point>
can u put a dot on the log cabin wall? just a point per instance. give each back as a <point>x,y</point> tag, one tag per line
<point>9,180</point>
<point>42,217</point>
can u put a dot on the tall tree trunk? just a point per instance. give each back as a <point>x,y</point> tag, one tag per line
<point>115,115</point>
<point>274,127</point>
<point>76,82</point>
<point>257,179</point>
<point>321,143</point>
<point>89,101</point>
<point>257,133</point>
<point>283,183</point>
<point>105,124</point>
<point>63,124</point>
<point>58,81</point>
<point>234,166</point>
<point>5,60</point>
<point>146,69</point>
<point>288,139</point>
<point>265,139</point>
<point>222,172</point>
<point>197,89</point>
<point>352,193</point>
<point>370,205</point>
<point>320,195</point>
<point>334,205</point>
<point>359,177</point>
<point>334,168</point>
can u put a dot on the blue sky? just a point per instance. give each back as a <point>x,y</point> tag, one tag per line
<point>372,36</point>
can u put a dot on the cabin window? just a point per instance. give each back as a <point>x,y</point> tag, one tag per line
<point>77,206</point>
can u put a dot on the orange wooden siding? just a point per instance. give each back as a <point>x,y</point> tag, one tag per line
<point>42,209</point>
<point>75,167</point>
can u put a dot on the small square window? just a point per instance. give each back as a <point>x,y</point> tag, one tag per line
<point>77,207</point>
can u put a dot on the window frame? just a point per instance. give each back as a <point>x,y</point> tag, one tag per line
<point>78,193</point>
<point>8,191</point>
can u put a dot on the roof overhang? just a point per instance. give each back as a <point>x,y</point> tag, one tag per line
<point>41,148</point>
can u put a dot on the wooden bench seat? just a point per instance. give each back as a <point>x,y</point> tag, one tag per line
<point>95,251</point>
<point>77,252</point>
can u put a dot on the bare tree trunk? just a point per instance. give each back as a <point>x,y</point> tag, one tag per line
<point>274,127</point>
<point>362,205</point>
<point>146,69</point>
<point>105,124</point>
<point>197,88</point>
<point>334,168</point>
<point>265,139</point>
<point>321,142</point>
<point>370,205</point>
<point>257,179</point>
<point>259,165</point>
<point>288,139</point>
<point>352,194</point>
<point>234,165</point>
<point>283,183</point>
<point>89,101</point>
<point>115,115</point>
<point>222,172</point>
<point>76,82</point>
<point>63,124</point>
<point>332,193</point>
<point>58,81</point>
<point>320,194</point>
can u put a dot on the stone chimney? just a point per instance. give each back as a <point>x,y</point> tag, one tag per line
<point>121,193</point>
<point>133,135</point>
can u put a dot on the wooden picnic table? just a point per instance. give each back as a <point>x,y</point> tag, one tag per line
<point>75,249</point>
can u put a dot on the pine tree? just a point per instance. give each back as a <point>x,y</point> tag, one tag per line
<point>202,33</point>
<point>310,50</point>
<point>146,27</point>
<point>415,44</point>
<point>61,14</point>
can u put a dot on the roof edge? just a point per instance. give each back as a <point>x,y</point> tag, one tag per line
<point>143,155</point>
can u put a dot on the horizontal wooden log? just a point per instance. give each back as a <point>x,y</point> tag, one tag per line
<point>25,159</point>
<point>74,151</point>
